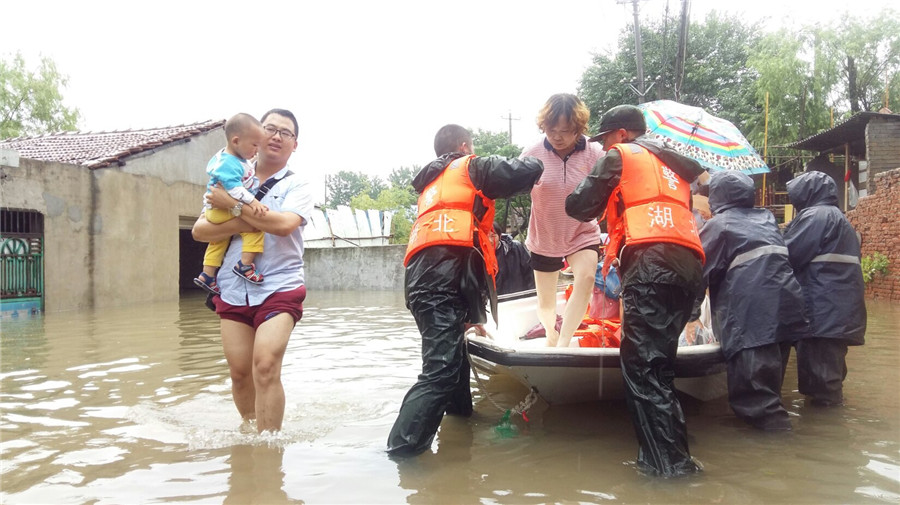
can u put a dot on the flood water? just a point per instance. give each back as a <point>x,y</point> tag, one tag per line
<point>133,405</point>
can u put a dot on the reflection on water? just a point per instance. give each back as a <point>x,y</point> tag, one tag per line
<point>134,405</point>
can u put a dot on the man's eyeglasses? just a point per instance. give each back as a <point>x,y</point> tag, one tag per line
<point>285,134</point>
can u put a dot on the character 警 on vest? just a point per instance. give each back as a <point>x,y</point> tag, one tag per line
<point>645,189</point>
<point>650,204</point>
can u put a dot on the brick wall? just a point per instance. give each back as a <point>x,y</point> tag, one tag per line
<point>882,144</point>
<point>877,219</point>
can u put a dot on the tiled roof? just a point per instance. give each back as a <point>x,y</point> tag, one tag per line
<point>101,149</point>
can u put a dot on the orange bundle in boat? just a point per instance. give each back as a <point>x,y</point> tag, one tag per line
<point>598,333</point>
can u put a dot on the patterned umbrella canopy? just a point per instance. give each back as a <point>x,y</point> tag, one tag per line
<point>714,142</point>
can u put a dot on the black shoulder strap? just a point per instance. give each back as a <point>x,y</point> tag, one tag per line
<point>266,186</point>
<point>261,192</point>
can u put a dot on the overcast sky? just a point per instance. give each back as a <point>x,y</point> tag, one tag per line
<point>370,81</point>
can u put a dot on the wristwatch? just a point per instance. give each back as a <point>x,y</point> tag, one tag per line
<point>236,210</point>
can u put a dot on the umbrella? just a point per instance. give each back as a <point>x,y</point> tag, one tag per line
<point>714,142</point>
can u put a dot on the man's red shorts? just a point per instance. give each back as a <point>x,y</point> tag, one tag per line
<point>289,302</point>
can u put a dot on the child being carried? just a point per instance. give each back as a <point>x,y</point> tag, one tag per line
<point>230,168</point>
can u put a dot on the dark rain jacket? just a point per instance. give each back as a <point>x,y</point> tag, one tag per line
<point>824,251</point>
<point>661,263</point>
<point>754,296</point>
<point>496,177</point>
<point>514,272</point>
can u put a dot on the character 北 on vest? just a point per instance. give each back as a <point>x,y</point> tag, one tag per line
<point>650,204</point>
<point>452,212</point>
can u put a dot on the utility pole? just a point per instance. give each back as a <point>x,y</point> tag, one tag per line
<point>510,118</point>
<point>681,54</point>
<point>638,52</point>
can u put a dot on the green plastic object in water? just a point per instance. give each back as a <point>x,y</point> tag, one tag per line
<point>504,428</point>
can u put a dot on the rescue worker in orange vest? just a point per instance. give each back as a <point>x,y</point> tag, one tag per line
<point>644,188</point>
<point>450,269</point>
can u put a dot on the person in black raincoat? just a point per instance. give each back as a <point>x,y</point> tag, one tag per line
<point>660,281</point>
<point>446,288</point>
<point>755,299</point>
<point>825,253</point>
<point>514,273</point>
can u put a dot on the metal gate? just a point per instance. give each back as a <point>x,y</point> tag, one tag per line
<point>21,261</point>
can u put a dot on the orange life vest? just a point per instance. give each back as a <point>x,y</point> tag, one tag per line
<point>594,332</point>
<point>657,205</point>
<point>446,215</point>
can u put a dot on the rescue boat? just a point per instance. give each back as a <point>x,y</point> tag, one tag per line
<point>581,372</point>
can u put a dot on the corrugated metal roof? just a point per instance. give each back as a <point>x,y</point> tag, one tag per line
<point>852,131</point>
<point>101,149</point>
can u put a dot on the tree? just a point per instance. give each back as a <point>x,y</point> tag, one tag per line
<point>403,176</point>
<point>716,77</point>
<point>400,200</point>
<point>345,185</point>
<point>360,191</point>
<point>488,143</point>
<point>866,53</point>
<point>30,100</point>
<point>814,71</point>
<point>515,211</point>
<point>797,89</point>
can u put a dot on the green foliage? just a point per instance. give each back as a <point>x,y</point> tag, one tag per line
<point>731,64</point>
<point>809,73</point>
<point>790,82</point>
<point>874,264</point>
<point>401,226</point>
<point>489,143</point>
<point>715,73</point>
<point>717,77</point>
<point>343,186</point>
<point>30,100</point>
<point>513,213</point>
<point>402,177</point>
<point>400,201</point>
<point>399,198</point>
<point>392,198</point>
<point>866,55</point>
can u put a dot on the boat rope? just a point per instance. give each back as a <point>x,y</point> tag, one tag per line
<point>520,409</point>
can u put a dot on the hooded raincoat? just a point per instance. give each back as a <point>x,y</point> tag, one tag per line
<point>757,305</point>
<point>754,296</point>
<point>825,253</point>
<point>447,287</point>
<point>660,283</point>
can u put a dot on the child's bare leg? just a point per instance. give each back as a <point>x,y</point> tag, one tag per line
<point>210,270</point>
<point>248,257</point>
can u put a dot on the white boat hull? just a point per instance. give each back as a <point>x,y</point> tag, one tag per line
<point>580,374</point>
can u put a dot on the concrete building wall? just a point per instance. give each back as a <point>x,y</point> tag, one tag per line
<point>875,218</point>
<point>355,268</point>
<point>111,234</point>
<point>62,194</point>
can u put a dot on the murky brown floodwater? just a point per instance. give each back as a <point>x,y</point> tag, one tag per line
<point>133,405</point>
